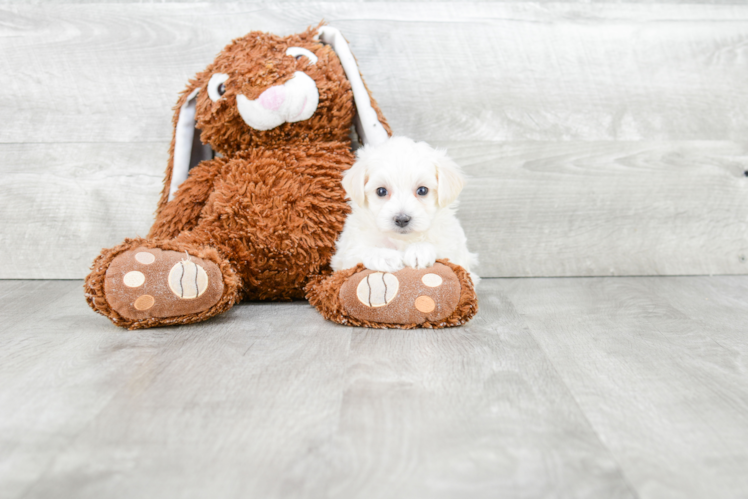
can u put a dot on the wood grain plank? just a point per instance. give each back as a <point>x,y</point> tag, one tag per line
<point>716,307</point>
<point>219,408</point>
<point>55,375</point>
<point>472,412</point>
<point>708,2</point>
<point>606,208</point>
<point>270,400</point>
<point>559,387</point>
<point>529,209</point>
<point>660,374</point>
<point>469,71</point>
<point>62,203</point>
<point>685,60</point>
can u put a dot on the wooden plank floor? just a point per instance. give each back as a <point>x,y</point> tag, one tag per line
<point>602,138</point>
<point>605,387</point>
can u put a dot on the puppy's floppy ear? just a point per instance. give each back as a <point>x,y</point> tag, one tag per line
<point>354,181</point>
<point>450,179</point>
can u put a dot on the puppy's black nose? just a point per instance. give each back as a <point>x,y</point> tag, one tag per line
<point>401,220</point>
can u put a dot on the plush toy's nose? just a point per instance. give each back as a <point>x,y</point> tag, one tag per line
<point>273,97</point>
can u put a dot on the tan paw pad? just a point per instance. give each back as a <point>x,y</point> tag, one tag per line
<point>144,302</point>
<point>425,304</point>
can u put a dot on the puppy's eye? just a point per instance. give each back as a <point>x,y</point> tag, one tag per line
<point>422,191</point>
<point>381,192</point>
<point>216,87</point>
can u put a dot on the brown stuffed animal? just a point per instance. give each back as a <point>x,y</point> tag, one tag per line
<point>253,214</point>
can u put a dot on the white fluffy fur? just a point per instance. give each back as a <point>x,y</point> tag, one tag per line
<point>370,235</point>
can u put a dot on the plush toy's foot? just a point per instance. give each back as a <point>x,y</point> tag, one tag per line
<point>142,284</point>
<point>440,296</point>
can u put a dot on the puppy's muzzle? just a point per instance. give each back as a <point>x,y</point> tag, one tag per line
<point>401,220</point>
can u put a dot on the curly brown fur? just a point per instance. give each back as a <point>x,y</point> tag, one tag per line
<point>276,215</point>
<point>323,292</point>
<point>183,213</point>
<point>94,284</point>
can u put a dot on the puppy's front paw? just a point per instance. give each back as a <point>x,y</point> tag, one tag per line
<point>385,260</point>
<point>420,255</point>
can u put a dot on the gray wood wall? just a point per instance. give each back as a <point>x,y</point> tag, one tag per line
<point>601,138</point>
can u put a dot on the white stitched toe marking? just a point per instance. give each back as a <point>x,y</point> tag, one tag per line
<point>145,258</point>
<point>188,280</point>
<point>377,289</point>
<point>431,280</point>
<point>134,279</point>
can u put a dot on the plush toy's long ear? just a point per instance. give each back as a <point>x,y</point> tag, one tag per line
<point>186,149</point>
<point>371,126</point>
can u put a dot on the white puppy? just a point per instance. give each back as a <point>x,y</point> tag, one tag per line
<point>403,200</point>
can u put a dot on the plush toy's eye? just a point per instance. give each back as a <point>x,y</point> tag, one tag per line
<point>381,192</point>
<point>298,53</point>
<point>422,191</point>
<point>216,87</point>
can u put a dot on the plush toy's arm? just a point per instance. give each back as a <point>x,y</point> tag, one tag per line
<point>182,213</point>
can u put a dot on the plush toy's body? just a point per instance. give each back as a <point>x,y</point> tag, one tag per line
<point>259,219</point>
<point>275,213</point>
